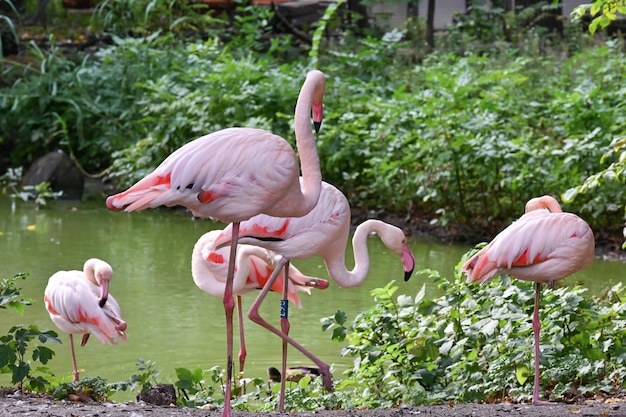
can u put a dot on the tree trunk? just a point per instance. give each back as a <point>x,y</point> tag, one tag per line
<point>430,24</point>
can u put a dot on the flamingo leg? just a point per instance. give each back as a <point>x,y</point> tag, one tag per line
<point>536,330</point>
<point>254,315</point>
<point>242,343</point>
<point>229,306</point>
<point>73,358</point>
<point>284,326</point>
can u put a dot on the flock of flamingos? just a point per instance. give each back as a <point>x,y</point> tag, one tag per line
<point>279,209</point>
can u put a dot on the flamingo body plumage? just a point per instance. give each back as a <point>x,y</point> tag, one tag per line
<point>229,175</point>
<point>72,298</point>
<point>254,266</point>
<point>544,245</point>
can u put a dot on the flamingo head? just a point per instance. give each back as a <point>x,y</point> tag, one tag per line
<point>103,274</point>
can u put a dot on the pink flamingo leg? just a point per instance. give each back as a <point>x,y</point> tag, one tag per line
<point>536,330</point>
<point>254,315</point>
<point>242,343</point>
<point>284,326</point>
<point>74,358</point>
<point>229,306</point>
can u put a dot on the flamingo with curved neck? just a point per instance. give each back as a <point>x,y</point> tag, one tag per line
<point>254,266</point>
<point>234,174</point>
<point>74,301</point>
<point>324,232</point>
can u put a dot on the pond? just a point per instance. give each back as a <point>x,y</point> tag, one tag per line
<point>172,322</point>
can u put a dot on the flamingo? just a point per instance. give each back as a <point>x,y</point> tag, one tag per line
<point>254,266</point>
<point>234,174</point>
<point>322,232</point>
<point>543,246</point>
<point>74,300</point>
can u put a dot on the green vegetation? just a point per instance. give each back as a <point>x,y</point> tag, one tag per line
<point>462,136</point>
<point>17,342</point>
<point>10,183</point>
<point>475,344</point>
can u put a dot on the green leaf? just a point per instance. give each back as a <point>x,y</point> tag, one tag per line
<point>522,372</point>
<point>341,317</point>
<point>339,334</point>
<point>185,378</point>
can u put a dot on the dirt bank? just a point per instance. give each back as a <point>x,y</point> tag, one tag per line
<point>14,405</point>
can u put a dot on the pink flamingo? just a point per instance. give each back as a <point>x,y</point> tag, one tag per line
<point>74,300</point>
<point>234,174</point>
<point>254,266</point>
<point>543,246</point>
<point>322,232</point>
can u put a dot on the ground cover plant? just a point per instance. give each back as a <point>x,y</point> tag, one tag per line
<point>461,141</point>
<point>475,344</point>
<point>16,348</point>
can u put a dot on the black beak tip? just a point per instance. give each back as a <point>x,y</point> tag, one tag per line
<point>317,126</point>
<point>102,302</point>
<point>407,275</point>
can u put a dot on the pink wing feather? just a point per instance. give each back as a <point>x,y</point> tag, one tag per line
<point>72,302</point>
<point>540,246</point>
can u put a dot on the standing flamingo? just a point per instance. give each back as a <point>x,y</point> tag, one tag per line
<point>74,301</point>
<point>254,266</point>
<point>323,232</point>
<point>234,174</point>
<point>543,246</point>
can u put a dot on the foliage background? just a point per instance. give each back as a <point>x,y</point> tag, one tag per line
<point>457,139</point>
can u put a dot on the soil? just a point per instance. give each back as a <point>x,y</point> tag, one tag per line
<point>30,405</point>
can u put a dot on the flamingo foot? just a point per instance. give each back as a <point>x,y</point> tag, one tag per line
<point>327,378</point>
<point>537,401</point>
<point>120,324</point>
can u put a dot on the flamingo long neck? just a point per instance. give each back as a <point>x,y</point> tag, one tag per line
<point>89,269</point>
<point>311,94</point>
<point>336,265</point>
<point>543,202</point>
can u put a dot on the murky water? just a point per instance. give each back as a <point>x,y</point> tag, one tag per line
<point>171,321</point>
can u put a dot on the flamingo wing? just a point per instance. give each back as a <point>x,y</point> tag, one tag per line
<point>212,180</point>
<point>539,246</point>
<point>299,237</point>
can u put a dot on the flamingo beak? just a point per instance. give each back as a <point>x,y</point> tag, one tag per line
<point>317,116</point>
<point>104,293</point>
<point>408,260</point>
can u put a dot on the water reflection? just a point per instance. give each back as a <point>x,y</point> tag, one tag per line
<point>172,322</point>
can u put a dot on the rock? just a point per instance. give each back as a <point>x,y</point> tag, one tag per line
<point>160,394</point>
<point>60,171</point>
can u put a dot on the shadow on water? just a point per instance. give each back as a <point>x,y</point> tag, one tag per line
<point>172,322</point>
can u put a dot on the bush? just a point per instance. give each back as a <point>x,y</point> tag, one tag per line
<point>475,343</point>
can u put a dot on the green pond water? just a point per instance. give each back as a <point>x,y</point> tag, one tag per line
<point>172,322</point>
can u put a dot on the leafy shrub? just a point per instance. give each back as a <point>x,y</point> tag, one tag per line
<point>15,344</point>
<point>468,140</point>
<point>475,343</point>
<point>457,139</point>
<point>92,388</point>
<point>142,381</point>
